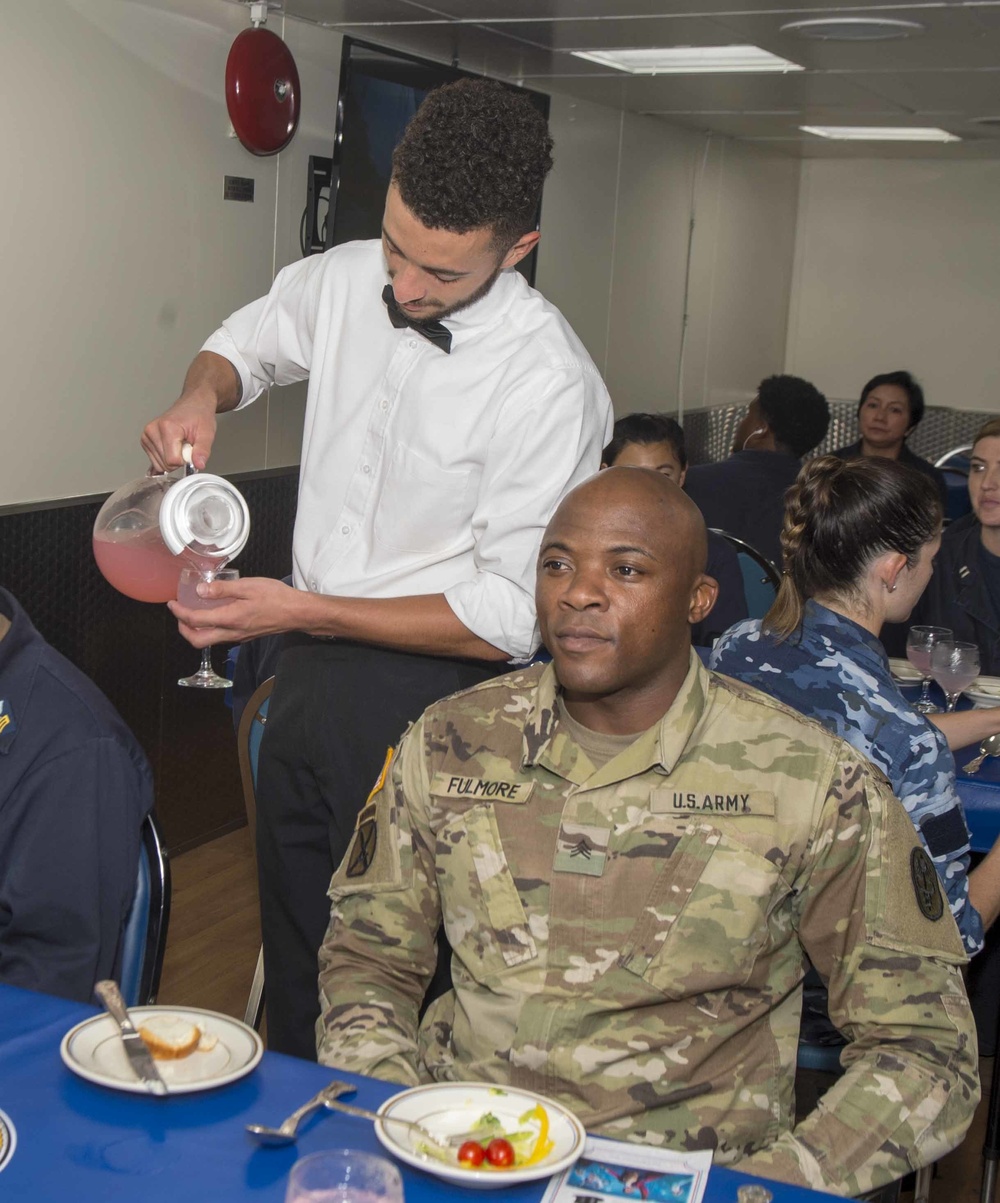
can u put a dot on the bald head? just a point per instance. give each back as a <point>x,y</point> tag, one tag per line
<point>659,508</point>
<point>620,581</point>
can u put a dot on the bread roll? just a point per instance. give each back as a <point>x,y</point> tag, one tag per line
<point>170,1037</point>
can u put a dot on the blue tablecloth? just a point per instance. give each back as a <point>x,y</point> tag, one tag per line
<point>81,1143</point>
<point>980,798</point>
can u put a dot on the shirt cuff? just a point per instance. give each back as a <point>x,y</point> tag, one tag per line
<point>221,343</point>
<point>498,611</point>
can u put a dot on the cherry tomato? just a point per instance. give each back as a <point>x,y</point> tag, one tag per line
<point>500,1152</point>
<point>471,1153</point>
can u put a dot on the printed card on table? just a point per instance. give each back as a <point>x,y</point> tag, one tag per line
<point>610,1169</point>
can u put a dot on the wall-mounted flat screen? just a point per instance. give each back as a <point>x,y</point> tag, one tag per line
<point>380,91</point>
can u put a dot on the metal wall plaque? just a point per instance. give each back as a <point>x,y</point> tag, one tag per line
<point>238,188</point>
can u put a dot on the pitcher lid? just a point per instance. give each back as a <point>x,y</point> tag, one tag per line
<point>205,514</point>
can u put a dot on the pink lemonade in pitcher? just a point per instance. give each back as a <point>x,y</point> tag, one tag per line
<point>141,568</point>
<point>151,528</point>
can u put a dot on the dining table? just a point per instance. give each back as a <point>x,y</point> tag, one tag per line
<point>980,796</point>
<point>65,1138</point>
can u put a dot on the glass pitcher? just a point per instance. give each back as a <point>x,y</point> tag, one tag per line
<point>151,528</point>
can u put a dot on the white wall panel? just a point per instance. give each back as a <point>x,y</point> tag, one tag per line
<point>897,265</point>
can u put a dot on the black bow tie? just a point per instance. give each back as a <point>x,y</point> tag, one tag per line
<point>437,332</point>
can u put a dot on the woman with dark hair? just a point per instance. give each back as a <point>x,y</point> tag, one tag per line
<point>964,593</point>
<point>858,542</point>
<point>891,406</point>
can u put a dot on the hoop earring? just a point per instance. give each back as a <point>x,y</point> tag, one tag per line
<point>751,435</point>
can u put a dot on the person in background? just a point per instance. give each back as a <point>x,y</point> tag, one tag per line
<point>75,788</point>
<point>859,540</point>
<point>744,495</point>
<point>633,858</point>
<point>449,408</point>
<point>964,592</point>
<point>891,406</point>
<point>656,441</point>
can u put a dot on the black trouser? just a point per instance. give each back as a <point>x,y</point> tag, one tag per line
<point>335,709</point>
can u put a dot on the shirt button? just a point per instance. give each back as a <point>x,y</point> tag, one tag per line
<point>314,585</point>
<point>366,469</point>
<point>345,530</point>
<point>384,405</point>
<point>413,342</point>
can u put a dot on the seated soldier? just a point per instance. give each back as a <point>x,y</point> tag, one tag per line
<point>75,788</point>
<point>656,441</point>
<point>633,860</point>
<point>745,494</point>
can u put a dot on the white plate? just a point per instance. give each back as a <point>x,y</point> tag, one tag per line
<point>94,1050</point>
<point>984,691</point>
<point>903,671</point>
<point>450,1108</point>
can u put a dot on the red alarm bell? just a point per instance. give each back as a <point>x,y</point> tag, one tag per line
<point>262,91</point>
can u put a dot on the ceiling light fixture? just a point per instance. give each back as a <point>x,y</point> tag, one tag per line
<point>853,29</point>
<point>689,60</point>
<point>877,133</point>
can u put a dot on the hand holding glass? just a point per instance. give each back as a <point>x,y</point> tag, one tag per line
<point>920,642</point>
<point>344,1176</point>
<point>954,666</point>
<point>187,594</point>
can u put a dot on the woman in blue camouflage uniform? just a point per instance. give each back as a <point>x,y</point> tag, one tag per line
<point>858,543</point>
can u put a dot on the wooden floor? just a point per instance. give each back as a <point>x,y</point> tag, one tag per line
<point>214,932</point>
<point>215,936</point>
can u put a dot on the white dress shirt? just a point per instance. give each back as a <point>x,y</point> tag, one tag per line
<point>424,472</point>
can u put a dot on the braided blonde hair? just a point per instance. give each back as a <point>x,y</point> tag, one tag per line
<point>839,516</point>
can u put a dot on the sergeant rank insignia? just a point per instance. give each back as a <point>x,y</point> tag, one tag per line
<point>926,885</point>
<point>8,728</point>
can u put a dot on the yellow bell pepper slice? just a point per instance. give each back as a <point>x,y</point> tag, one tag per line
<point>543,1146</point>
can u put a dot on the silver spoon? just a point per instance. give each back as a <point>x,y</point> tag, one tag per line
<point>349,1109</point>
<point>286,1133</point>
<point>989,747</point>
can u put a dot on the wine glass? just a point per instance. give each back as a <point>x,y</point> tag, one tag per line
<point>954,666</point>
<point>344,1176</point>
<point>187,594</point>
<point>920,642</point>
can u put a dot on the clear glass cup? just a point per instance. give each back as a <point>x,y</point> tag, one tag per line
<point>920,642</point>
<point>954,666</point>
<point>344,1176</point>
<point>187,594</point>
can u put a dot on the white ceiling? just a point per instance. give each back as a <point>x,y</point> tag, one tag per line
<point>948,75</point>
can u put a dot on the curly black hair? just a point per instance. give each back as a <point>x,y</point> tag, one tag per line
<point>795,410</point>
<point>474,155</point>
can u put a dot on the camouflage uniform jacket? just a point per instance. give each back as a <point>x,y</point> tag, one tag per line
<point>836,672</point>
<point>621,933</point>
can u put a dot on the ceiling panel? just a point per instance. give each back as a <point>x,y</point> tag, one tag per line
<point>322,12</point>
<point>946,76</point>
<point>972,93</point>
<point>573,10</point>
<point>564,36</point>
<point>705,93</point>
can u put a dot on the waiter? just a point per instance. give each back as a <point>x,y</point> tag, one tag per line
<point>449,408</point>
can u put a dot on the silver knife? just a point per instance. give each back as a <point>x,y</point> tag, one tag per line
<point>139,1056</point>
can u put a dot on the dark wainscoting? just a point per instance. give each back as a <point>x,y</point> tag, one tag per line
<point>133,651</point>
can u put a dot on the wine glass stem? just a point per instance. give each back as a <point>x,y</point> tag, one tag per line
<point>925,696</point>
<point>952,699</point>
<point>206,661</point>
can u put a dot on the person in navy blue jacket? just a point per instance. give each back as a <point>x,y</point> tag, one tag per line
<point>744,495</point>
<point>75,788</point>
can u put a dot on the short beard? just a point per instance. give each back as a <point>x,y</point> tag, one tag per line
<point>472,298</point>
